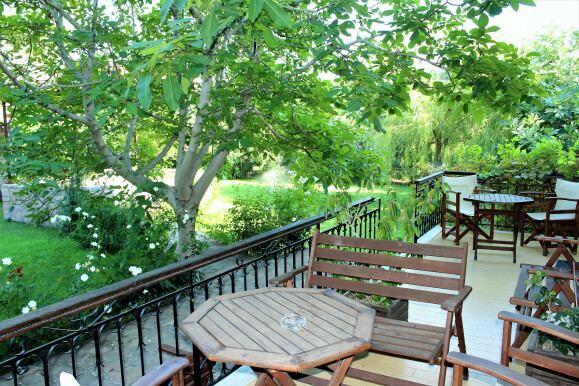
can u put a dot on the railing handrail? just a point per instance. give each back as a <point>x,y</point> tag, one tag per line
<point>52,313</point>
<point>436,175</point>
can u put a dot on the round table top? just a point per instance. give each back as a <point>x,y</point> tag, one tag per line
<point>500,199</point>
<point>244,328</point>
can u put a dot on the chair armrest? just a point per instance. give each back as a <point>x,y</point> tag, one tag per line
<point>283,278</point>
<point>478,190</point>
<point>540,325</point>
<point>163,372</point>
<point>493,369</point>
<point>455,301</point>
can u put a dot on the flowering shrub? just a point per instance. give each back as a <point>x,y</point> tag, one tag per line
<point>119,235</point>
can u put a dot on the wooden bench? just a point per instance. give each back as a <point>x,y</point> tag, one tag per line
<point>430,273</point>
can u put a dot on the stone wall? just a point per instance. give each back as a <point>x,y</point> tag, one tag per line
<point>17,207</point>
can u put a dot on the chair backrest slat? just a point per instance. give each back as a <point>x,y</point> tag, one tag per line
<point>379,289</point>
<point>362,265</point>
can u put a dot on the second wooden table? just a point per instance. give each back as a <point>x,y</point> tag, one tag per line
<point>516,202</point>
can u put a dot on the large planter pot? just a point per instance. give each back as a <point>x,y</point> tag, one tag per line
<point>548,376</point>
<point>397,310</point>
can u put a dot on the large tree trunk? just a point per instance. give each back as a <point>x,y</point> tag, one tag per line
<point>186,232</point>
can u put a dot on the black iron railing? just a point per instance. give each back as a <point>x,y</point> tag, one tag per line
<point>506,184</point>
<point>114,335</point>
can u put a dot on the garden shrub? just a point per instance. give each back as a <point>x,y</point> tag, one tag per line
<point>129,227</point>
<point>250,216</point>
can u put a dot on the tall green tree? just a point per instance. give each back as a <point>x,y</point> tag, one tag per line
<point>199,78</point>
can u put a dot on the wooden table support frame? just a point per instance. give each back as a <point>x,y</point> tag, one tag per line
<point>516,202</point>
<point>563,249</point>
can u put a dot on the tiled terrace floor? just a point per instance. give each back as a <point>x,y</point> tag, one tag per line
<point>492,278</point>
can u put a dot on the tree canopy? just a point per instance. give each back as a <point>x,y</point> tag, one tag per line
<point>133,85</point>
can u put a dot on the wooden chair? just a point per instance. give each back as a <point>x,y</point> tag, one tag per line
<point>502,371</point>
<point>459,211</point>
<point>560,211</point>
<point>361,265</point>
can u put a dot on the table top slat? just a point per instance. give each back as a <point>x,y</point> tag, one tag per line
<point>328,332</point>
<point>226,332</point>
<point>278,311</point>
<point>257,329</point>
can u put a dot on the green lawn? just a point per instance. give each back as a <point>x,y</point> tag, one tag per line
<point>47,262</point>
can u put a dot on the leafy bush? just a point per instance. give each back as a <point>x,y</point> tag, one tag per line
<point>134,230</point>
<point>250,216</point>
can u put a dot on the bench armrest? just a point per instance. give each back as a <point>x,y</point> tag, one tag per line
<point>163,372</point>
<point>540,325</point>
<point>493,369</point>
<point>455,301</point>
<point>283,278</point>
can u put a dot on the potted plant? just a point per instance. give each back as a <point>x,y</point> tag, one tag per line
<point>547,345</point>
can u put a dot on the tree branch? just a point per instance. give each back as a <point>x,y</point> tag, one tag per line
<point>155,161</point>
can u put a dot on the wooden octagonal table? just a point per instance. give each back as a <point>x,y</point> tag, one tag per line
<point>244,328</point>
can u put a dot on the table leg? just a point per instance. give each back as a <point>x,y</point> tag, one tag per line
<point>340,371</point>
<point>282,377</point>
<point>475,236</point>
<point>263,377</point>
<point>516,224</point>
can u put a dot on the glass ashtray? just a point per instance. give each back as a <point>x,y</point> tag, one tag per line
<point>293,322</point>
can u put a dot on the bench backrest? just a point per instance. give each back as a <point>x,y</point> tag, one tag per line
<point>339,262</point>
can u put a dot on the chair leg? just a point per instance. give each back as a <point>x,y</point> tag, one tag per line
<point>460,335</point>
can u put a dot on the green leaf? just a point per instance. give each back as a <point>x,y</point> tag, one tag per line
<point>164,9</point>
<point>355,105</point>
<point>255,7</point>
<point>482,21</point>
<point>171,92</point>
<point>132,108</point>
<point>270,40</point>
<point>185,83</point>
<point>209,28</point>
<point>277,14</point>
<point>144,91</point>
<point>378,125</point>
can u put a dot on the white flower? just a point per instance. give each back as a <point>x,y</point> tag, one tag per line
<point>53,220</point>
<point>157,243</point>
<point>145,291</point>
<point>302,180</point>
<point>32,304</point>
<point>152,245</point>
<point>316,179</point>
<point>6,261</point>
<point>103,255</point>
<point>129,226</point>
<point>94,244</point>
<point>78,209</point>
<point>135,270</point>
<point>77,266</point>
<point>308,193</point>
<point>84,277</point>
<point>93,216</point>
<point>25,310</point>
<point>90,257</point>
<point>90,226</point>
<point>92,269</point>
<point>95,235</point>
<point>155,189</point>
<point>85,214</point>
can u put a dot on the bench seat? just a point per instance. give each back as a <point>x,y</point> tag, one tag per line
<point>408,340</point>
